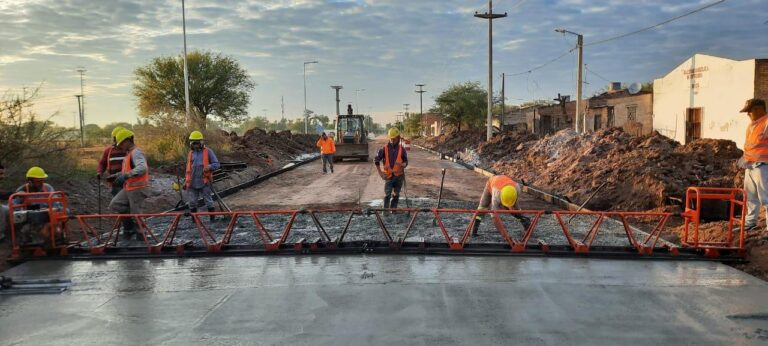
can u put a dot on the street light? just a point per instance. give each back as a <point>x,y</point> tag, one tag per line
<point>356,105</point>
<point>186,70</point>
<point>306,116</point>
<point>580,46</point>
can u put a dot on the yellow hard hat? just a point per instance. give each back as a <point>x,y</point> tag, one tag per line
<point>196,136</point>
<point>508,196</point>
<point>123,135</point>
<point>393,133</point>
<point>116,130</point>
<point>36,173</point>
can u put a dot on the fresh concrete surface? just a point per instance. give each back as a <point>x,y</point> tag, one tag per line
<point>387,299</point>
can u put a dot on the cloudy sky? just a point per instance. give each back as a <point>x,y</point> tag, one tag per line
<point>382,46</point>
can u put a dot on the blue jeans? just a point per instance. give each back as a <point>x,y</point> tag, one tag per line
<point>329,159</point>
<point>392,191</point>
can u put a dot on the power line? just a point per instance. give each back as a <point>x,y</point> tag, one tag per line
<point>542,65</point>
<point>596,74</point>
<point>656,25</point>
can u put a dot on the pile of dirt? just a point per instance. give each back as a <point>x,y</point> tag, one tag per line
<point>454,142</point>
<point>640,173</point>
<point>262,148</point>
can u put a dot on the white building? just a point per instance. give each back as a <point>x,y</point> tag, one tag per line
<point>701,98</point>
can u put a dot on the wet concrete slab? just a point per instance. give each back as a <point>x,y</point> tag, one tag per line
<point>386,299</point>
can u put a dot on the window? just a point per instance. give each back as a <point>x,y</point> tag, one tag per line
<point>632,113</point>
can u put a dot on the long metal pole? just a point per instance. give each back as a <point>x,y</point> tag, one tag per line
<point>305,99</point>
<point>489,126</point>
<point>186,69</point>
<point>503,96</point>
<point>579,115</point>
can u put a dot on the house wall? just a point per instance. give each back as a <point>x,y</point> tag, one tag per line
<point>719,86</point>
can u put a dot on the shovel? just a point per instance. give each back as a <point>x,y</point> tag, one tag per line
<point>439,196</point>
<point>587,201</point>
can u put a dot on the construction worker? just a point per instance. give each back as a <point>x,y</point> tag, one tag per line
<point>111,162</point>
<point>201,162</point>
<point>4,216</point>
<point>134,177</point>
<point>500,193</point>
<point>32,231</point>
<point>395,160</point>
<point>327,149</point>
<point>755,163</point>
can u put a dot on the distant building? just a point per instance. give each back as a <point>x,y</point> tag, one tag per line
<point>513,120</point>
<point>701,98</point>
<point>618,108</point>
<point>433,124</point>
<point>549,119</point>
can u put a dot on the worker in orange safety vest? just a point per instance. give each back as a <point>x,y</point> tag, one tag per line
<point>394,159</point>
<point>327,149</point>
<point>134,177</point>
<point>201,162</point>
<point>755,163</point>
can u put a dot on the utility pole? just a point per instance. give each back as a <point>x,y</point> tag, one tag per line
<point>405,105</point>
<point>337,88</point>
<point>578,118</point>
<point>186,69</point>
<point>282,107</point>
<point>503,97</point>
<point>421,92</point>
<point>80,110</point>
<point>306,116</point>
<point>81,104</point>
<point>490,16</point>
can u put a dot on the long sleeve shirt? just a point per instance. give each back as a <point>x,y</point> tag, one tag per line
<point>138,162</point>
<point>46,188</point>
<point>392,148</point>
<point>197,167</point>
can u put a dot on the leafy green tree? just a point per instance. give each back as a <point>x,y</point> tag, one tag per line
<point>463,104</point>
<point>218,87</point>
<point>413,124</point>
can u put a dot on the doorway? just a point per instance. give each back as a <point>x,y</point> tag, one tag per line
<point>692,124</point>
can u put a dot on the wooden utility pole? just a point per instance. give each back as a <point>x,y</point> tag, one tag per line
<point>490,16</point>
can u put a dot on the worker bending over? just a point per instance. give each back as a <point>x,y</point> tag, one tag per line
<point>111,163</point>
<point>500,193</point>
<point>201,162</point>
<point>395,160</point>
<point>327,149</point>
<point>755,163</point>
<point>134,178</point>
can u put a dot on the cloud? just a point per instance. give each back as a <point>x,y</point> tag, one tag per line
<point>382,46</point>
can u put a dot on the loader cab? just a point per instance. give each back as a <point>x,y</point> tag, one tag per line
<point>350,129</point>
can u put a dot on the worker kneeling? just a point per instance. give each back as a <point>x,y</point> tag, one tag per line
<point>395,160</point>
<point>500,193</point>
<point>134,177</point>
<point>31,220</point>
<point>201,162</point>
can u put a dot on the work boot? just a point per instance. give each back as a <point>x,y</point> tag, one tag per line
<point>525,221</point>
<point>212,217</point>
<point>192,210</point>
<point>476,225</point>
<point>386,202</point>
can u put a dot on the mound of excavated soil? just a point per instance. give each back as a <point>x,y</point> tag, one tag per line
<point>641,172</point>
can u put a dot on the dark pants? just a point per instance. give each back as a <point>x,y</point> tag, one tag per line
<point>392,191</point>
<point>329,159</point>
<point>127,223</point>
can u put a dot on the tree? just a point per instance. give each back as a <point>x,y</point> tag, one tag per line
<point>218,87</point>
<point>461,104</point>
<point>414,125</point>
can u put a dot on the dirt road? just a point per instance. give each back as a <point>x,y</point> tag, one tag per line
<point>357,182</point>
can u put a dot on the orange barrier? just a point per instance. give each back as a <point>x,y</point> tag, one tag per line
<point>736,198</point>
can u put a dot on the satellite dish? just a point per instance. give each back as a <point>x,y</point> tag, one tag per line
<point>635,88</point>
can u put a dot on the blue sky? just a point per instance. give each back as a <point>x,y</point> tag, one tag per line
<point>384,47</point>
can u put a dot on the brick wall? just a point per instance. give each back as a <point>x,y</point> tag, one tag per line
<point>761,79</point>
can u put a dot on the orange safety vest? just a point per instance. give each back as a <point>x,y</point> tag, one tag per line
<point>398,169</point>
<point>756,146</point>
<point>498,182</point>
<point>207,177</point>
<point>326,146</point>
<point>137,182</point>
